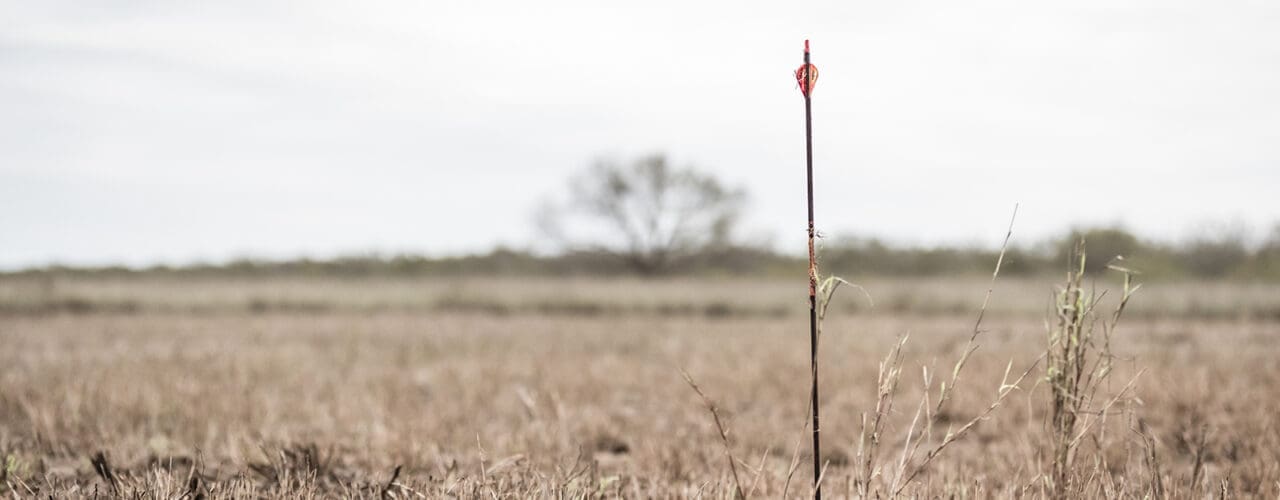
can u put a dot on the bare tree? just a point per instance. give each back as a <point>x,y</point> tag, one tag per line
<point>645,212</point>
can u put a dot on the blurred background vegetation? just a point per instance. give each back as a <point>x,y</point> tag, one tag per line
<point>1217,257</point>
<point>647,217</point>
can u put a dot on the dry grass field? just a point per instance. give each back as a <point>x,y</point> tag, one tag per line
<point>285,388</point>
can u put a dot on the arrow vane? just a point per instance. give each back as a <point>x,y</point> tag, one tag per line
<point>806,74</point>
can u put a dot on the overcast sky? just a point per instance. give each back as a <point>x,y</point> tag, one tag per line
<point>158,131</point>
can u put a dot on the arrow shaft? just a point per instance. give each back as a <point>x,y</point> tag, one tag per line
<point>813,276</point>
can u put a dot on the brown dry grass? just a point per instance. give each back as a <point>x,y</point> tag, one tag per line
<point>587,296</point>
<point>528,403</point>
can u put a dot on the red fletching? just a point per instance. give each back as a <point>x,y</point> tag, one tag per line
<point>807,79</point>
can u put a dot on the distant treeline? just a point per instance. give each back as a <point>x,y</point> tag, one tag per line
<point>1206,258</point>
<point>1221,257</point>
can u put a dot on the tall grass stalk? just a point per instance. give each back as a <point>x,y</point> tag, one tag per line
<point>1080,363</point>
<point>920,448</point>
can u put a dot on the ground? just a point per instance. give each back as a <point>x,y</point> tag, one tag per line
<point>573,387</point>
